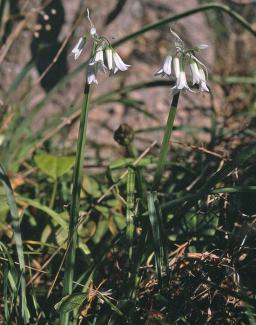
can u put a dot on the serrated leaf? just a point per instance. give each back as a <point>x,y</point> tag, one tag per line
<point>54,166</point>
<point>70,302</point>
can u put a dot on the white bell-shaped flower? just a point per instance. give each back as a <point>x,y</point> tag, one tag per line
<point>166,68</point>
<point>202,85</point>
<point>118,63</point>
<point>77,50</point>
<point>92,72</point>
<point>182,82</point>
<point>196,76</point>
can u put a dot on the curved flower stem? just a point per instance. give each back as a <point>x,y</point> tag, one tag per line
<point>165,143</point>
<point>75,203</point>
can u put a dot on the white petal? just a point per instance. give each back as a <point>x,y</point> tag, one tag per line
<point>182,82</point>
<point>160,72</point>
<point>167,67</point>
<point>195,73</point>
<point>109,55</point>
<point>120,65</point>
<point>99,55</point>
<point>77,53</point>
<point>202,74</point>
<point>202,46</point>
<point>203,86</point>
<point>91,74</point>
<point>176,66</point>
<point>77,50</point>
<point>78,45</point>
<point>115,68</point>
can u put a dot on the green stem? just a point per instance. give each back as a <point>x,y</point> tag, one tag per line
<point>54,191</point>
<point>165,144</point>
<point>75,203</point>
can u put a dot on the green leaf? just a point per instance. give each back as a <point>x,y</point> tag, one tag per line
<point>70,302</point>
<point>120,221</point>
<point>54,166</point>
<point>130,188</point>
<point>84,248</point>
<point>15,219</point>
<point>56,217</point>
<point>4,208</point>
<point>159,237</point>
<point>91,186</point>
<point>102,228</point>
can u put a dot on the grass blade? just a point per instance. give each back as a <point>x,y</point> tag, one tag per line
<point>18,241</point>
<point>155,218</point>
<point>130,188</point>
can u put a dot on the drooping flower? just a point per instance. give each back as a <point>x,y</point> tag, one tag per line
<point>96,64</point>
<point>77,50</point>
<point>179,62</point>
<point>181,83</point>
<point>118,63</point>
<point>114,61</point>
<point>99,59</point>
<point>202,85</point>
<point>92,71</point>
<point>196,76</point>
<point>102,53</point>
<point>166,68</point>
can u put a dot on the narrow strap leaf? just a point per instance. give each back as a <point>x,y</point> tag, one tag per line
<point>18,241</point>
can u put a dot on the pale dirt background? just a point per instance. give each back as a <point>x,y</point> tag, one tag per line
<point>144,54</point>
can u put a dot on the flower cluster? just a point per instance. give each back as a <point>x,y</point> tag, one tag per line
<point>180,61</point>
<point>103,58</point>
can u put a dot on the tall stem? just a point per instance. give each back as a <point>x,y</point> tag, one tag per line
<point>165,143</point>
<point>54,192</point>
<point>75,203</point>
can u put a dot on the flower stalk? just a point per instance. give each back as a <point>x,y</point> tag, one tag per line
<point>75,202</point>
<point>95,63</point>
<point>165,143</point>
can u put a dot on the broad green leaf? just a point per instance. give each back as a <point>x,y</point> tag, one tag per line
<point>54,166</point>
<point>70,302</point>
